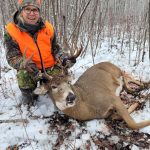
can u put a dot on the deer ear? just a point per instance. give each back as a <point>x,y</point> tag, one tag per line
<point>41,90</point>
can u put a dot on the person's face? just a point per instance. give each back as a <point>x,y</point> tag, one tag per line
<point>30,14</point>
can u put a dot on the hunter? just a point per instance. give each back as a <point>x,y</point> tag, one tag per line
<point>29,33</point>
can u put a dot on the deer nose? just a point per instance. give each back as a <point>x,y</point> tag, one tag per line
<point>70,98</point>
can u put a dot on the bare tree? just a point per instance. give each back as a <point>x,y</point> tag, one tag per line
<point>90,21</point>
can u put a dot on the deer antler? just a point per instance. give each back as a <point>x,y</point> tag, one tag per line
<point>25,61</point>
<point>46,76</point>
<point>77,51</point>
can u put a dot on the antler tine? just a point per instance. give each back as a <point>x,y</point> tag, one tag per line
<point>48,77</point>
<point>25,60</point>
<point>67,46</point>
<point>78,52</point>
<point>44,75</point>
<point>24,56</point>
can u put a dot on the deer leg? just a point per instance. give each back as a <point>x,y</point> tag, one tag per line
<point>128,79</point>
<point>115,116</point>
<point>124,114</point>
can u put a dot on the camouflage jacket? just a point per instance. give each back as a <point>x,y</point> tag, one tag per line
<point>13,53</point>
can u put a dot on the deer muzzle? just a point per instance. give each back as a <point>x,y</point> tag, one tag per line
<point>70,98</point>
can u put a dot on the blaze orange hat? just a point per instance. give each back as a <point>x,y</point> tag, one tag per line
<point>23,3</point>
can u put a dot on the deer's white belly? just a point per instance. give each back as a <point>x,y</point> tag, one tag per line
<point>119,88</point>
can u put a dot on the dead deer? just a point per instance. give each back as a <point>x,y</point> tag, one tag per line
<point>96,94</point>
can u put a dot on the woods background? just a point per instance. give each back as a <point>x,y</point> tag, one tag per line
<point>90,21</point>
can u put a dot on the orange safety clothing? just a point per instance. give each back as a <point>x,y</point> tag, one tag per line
<point>28,43</point>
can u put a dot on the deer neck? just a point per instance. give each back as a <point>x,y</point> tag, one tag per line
<point>79,105</point>
<point>76,91</point>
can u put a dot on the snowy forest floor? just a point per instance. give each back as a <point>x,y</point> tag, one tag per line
<point>49,129</point>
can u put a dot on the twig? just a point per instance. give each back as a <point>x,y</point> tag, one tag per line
<point>14,121</point>
<point>79,19</point>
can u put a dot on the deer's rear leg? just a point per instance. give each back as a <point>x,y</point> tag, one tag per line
<point>115,116</point>
<point>128,79</point>
<point>122,111</point>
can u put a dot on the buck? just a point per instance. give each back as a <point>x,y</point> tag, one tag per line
<point>96,94</point>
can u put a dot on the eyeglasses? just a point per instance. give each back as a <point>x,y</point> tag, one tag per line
<point>29,10</point>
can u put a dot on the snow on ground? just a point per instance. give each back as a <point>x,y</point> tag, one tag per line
<point>36,134</point>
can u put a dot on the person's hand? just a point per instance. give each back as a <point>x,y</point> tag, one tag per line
<point>69,62</point>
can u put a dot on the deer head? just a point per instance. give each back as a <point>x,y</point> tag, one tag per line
<point>63,94</point>
<point>58,87</point>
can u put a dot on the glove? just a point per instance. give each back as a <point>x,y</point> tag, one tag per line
<point>68,62</point>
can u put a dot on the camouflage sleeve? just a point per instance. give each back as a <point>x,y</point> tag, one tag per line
<point>58,53</point>
<point>13,54</point>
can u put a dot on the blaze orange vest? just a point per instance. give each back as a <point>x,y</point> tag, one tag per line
<point>26,42</point>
